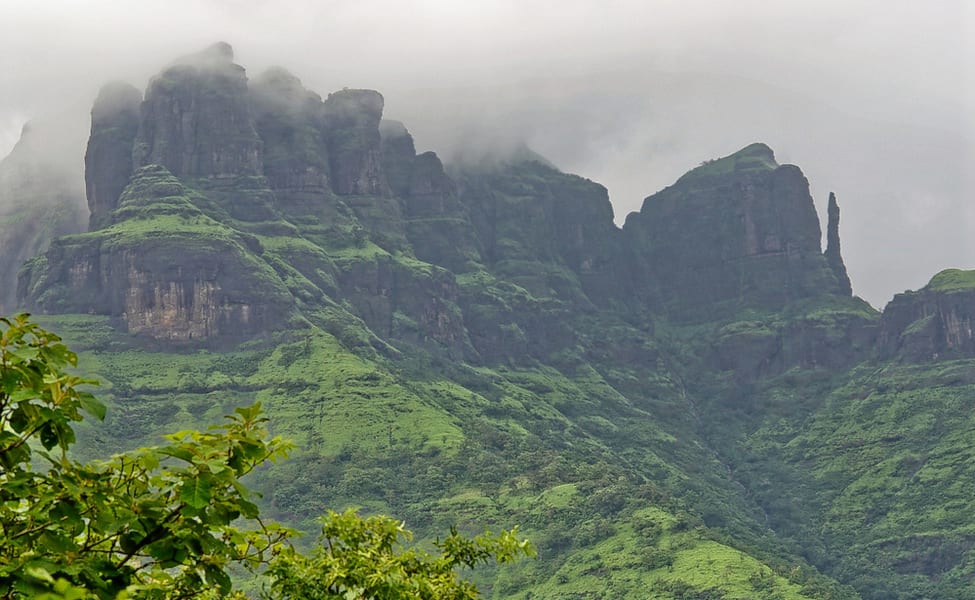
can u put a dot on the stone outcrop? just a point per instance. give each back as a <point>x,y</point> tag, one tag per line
<point>937,321</point>
<point>529,212</point>
<point>108,160</point>
<point>196,119</point>
<point>289,123</point>
<point>833,338</point>
<point>351,120</point>
<point>163,268</point>
<point>741,229</point>
<point>493,261</point>
<point>438,224</point>
<point>833,256</point>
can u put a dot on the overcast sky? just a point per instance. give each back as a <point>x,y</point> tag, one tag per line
<point>875,100</point>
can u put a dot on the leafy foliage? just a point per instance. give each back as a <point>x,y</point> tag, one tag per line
<point>170,521</point>
<point>361,558</point>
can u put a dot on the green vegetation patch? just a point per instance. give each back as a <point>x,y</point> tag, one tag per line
<point>952,280</point>
<point>755,157</point>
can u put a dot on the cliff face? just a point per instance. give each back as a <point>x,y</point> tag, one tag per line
<point>350,212</point>
<point>351,119</point>
<point>221,167</point>
<point>833,256</point>
<point>740,229</point>
<point>289,123</point>
<point>161,267</point>
<point>108,161</point>
<point>937,321</point>
<point>196,119</point>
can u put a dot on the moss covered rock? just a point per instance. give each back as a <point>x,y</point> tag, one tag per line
<point>163,268</point>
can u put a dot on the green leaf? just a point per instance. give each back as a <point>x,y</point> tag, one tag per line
<point>177,452</point>
<point>92,406</point>
<point>39,573</point>
<point>24,354</point>
<point>195,492</point>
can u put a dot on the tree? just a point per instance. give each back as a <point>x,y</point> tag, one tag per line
<point>170,521</point>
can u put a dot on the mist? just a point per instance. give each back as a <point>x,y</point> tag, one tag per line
<point>874,100</point>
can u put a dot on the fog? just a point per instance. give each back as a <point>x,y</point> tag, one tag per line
<point>874,100</point>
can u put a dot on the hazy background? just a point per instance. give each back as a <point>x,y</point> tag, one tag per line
<point>875,100</point>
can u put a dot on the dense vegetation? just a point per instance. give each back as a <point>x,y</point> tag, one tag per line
<point>171,521</point>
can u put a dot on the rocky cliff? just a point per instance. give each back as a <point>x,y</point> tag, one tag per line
<point>162,268</point>
<point>349,211</point>
<point>108,161</point>
<point>196,119</point>
<point>740,229</point>
<point>937,321</point>
<point>833,255</point>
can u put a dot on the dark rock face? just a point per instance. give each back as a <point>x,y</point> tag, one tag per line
<point>937,321</point>
<point>162,267</point>
<point>196,119</point>
<point>289,122</point>
<point>108,161</point>
<point>738,229</point>
<point>528,212</point>
<point>834,339</point>
<point>406,300</point>
<point>833,256</point>
<point>546,248</point>
<point>494,262</point>
<point>351,120</point>
<point>438,224</point>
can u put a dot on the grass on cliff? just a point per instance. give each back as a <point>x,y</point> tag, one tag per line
<point>753,157</point>
<point>952,280</point>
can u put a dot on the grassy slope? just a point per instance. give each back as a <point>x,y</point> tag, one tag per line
<point>887,469</point>
<point>951,280</point>
<point>433,451</point>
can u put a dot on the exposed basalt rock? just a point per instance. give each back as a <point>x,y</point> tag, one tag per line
<point>547,248</point>
<point>405,299</point>
<point>832,337</point>
<point>196,119</point>
<point>108,161</point>
<point>937,321</point>
<point>162,267</point>
<point>289,122</point>
<point>549,232</point>
<point>351,119</point>
<point>833,256</point>
<point>398,154</point>
<point>438,224</point>
<point>351,122</point>
<point>40,199</point>
<point>741,229</point>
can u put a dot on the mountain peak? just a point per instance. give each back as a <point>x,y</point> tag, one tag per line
<point>753,157</point>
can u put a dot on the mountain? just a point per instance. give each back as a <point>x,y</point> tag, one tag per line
<point>40,199</point>
<point>692,405</point>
